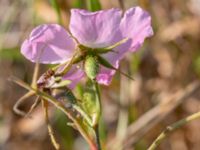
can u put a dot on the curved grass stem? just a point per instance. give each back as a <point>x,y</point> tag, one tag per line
<point>173,127</point>
<point>49,127</point>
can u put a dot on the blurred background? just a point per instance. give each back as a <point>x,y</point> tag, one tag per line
<point>165,89</point>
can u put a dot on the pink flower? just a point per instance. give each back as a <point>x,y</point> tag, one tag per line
<point>92,29</point>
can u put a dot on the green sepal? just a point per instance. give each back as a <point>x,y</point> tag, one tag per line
<point>78,58</point>
<point>105,63</point>
<point>58,79</point>
<point>91,66</point>
<point>60,84</point>
<point>110,48</point>
<point>63,68</point>
<point>84,48</point>
<point>104,50</point>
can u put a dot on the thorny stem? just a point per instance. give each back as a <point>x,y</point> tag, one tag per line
<point>96,127</point>
<point>57,104</point>
<point>173,127</point>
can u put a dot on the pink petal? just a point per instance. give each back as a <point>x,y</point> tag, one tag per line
<point>136,24</point>
<point>50,43</point>
<point>105,75</point>
<point>96,29</point>
<point>74,75</point>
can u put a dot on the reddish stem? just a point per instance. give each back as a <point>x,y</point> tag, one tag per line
<point>93,147</point>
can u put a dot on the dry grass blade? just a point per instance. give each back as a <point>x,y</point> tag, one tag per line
<point>20,101</point>
<point>29,94</point>
<point>139,128</point>
<point>33,106</point>
<point>173,127</point>
<point>49,127</point>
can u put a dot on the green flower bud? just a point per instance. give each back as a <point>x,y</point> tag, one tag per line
<point>91,66</point>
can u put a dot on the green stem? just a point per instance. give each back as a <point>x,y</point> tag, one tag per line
<point>96,127</point>
<point>57,104</point>
<point>98,97</point>
<point>173,127</point>
<point>97,137</point>
<point>84,114</point>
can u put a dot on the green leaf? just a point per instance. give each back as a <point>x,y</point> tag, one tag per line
<point>93,5</point>
<point>91,66</point>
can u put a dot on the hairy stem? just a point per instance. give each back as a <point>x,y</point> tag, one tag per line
<point>173,127</point>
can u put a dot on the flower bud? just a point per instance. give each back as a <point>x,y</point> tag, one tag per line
<point>91,66</point>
